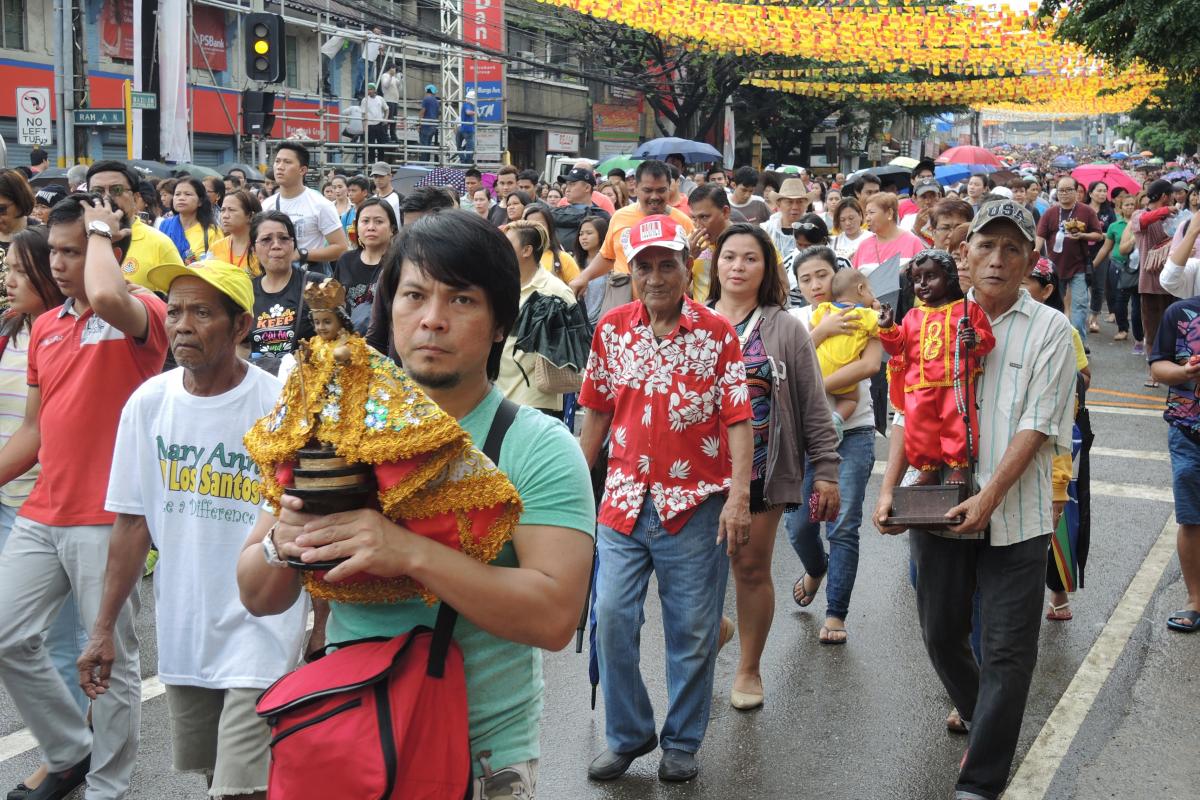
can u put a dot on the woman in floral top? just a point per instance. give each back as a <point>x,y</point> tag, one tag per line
<point>789,419</point>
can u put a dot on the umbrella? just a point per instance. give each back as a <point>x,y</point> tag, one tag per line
<point>1111,174</point>
<point>947,174</point>
<point>1072,539</point>
<point>692,152</point>
<point>1147,154</point>
<point>197,171</point>
<point>1064,162</point>
<point>787,169</point>
<point>252,173</point>
<point>559,333</point>
<point>904,161</point>
<point>1118,156</point>
<point>1181,175</point>
<point>405,178</point>
<point>627,163</point>
<point>968,154</point>
<point>152,169</point>
<point>1154,162</point>
<point>900,176</point>
<point>56,176</point>
<point>445,176</point>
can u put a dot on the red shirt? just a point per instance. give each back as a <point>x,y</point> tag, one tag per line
<point>672,400</point>
<point>86,369</point>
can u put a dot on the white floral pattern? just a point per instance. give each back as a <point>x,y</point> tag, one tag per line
<point>671,398</point>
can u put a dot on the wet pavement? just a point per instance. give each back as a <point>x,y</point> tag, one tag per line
<point>866,720</point>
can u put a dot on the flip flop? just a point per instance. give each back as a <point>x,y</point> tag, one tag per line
<point>1192,624</point>
<point>823,636</point>
<point>1060,613</point>
<point>1151,384</point>
<point>802,597</point>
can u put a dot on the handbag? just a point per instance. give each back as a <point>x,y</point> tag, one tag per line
<point>378,718</point>
<point>617,292</point>
<point>550,379</point>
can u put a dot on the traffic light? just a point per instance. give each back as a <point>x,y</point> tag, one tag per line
<point>258,113</point>
<point>265,50</point>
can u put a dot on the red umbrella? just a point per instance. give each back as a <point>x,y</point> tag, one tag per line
<point>1112,175</point>
<point>969,154</point>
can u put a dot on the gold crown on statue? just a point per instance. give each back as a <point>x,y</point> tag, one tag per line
<point>328,295</point>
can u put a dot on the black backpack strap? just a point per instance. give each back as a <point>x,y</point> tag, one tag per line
<point>447,617</point>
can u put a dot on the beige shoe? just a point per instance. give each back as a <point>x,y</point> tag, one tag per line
<point>745,701</point>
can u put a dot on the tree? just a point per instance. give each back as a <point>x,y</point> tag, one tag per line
<point>785,120</point>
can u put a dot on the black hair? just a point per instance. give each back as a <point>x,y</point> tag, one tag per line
<point>271,216</point>
<point>817,251</point>
<point>360,181</point>
<point>32,246</point>
<point>620,173</point>
<point>675,173</point>
<point>423,200</point>
<point>14,186</point>
<point>300,150</point>
<point>773,290</point>
<point>531,175</point>
<point>69,211</point>
<point>132,178</point>
<point>388,211</point>
<point>869,177</point>
<point>745,176</point>
<point>473,173</point>
<point>925,164</point>
<point>812,228</point>
<point>988,183</point>
<point>38,156</point>
<point>1055,300</point>
<point>715,171</point>
<point>217,185</point>
<point>553,245</point>
<point>946,263</point>
<point>712,192</point>
<point>236,180</point>
<point>1107,205</point>
<point>652,168</point>
<point>600,223</point>
<point>522,196</point>
<point>204,209</point>
<point>149,196</point>
<point>461,249</point>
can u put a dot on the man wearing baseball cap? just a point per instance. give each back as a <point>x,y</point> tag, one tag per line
<point>181,477</point>
<point>1026,411</point>
<point>666,378</point>
<point>926,193</point>
<point>580,200</point>
<point>381,176</point>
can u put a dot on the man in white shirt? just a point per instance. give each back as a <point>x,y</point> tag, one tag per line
<point>375,111</point>
<point>181,479</point>
<point>320,238</point>
<point>381,176</point>
<point>389,88</point>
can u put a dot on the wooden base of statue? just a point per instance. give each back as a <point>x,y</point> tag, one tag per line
<point>329,484</point>
<point>926,506</point>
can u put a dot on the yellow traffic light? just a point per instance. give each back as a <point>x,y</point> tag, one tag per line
<point>262,47</point>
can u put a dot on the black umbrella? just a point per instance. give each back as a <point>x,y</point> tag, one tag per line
<point>152,169</point>
<point>888,173</point>
<point>559,333</point>
<point>55,176</point>
<point>252,173</point>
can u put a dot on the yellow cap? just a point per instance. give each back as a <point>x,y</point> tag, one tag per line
<point>231,281</point>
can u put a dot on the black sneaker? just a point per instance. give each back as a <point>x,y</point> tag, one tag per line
<point>58,785</point>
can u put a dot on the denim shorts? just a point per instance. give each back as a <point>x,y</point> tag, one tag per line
<point>1185,469</point>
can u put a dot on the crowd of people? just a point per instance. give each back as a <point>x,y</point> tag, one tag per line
<point>740,351</point>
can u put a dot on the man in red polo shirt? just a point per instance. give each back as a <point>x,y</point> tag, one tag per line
<point>85,360</point>
<point>666,383</point>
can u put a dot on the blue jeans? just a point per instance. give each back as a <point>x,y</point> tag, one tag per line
<point>1080,303</point>
<point>691,570</point>
<point>66,638</point>
<point>841,564</point>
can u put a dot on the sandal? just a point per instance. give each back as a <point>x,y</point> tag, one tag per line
<point>802,596</point>
<point>954,722</point>
<point>1121,336</point>
<point>826,635</point>
<point>1150,383</point>
<point>1060,613</point>
<point>1184,621</point>
<point>1093,326</point>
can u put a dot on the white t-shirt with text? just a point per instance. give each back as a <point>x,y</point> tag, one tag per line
<point>314,216</point>
<point>179,461</point>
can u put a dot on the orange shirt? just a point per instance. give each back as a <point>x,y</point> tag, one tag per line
<point>86,369</point>
<point>619,231</point>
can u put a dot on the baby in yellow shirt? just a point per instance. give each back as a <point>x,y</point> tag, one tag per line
<point>850,290</point>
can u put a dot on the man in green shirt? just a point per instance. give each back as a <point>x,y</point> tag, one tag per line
<point>453,276</point>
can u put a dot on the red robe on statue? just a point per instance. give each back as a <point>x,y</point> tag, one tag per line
<point>933,426</point>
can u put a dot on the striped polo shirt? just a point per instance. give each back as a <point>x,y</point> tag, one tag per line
<point>1028,383</point>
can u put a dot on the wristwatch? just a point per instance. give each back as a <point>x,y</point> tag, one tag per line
<point>303,255</point>
<point>101,228</point>
<point>270,553</point>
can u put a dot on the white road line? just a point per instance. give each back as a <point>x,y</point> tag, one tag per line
<point>1133,412</point>
<point>1041,763</point>
<point>1128,491</point>
<point>22,741</point>
<point>1140,455</point>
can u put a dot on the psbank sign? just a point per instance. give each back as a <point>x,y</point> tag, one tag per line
<point>483,24</point>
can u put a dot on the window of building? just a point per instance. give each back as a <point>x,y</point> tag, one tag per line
<point>429,15</point>
<point>12,31</point>
<point>292,62</point>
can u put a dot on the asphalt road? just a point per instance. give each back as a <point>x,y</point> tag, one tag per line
<point>866,720</point>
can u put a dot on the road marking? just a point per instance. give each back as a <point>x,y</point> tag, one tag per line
<point>1127,404</point>
<point>1128,491</point>
<point>1133,412</point>
<point>1140,455</point>
<point>22,741</point>
<point>1041,763</point>
<point>1131,395</point>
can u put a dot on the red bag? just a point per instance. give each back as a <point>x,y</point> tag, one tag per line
<point>378,718</point>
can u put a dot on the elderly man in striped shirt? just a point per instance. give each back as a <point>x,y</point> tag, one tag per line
<point>1026,408</point>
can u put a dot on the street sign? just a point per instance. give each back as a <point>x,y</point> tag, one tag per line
<point>146,101</point>
<point>99,116</point>
<point>875,151</point>
<point>33,115</point>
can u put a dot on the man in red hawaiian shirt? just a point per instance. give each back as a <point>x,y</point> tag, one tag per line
<point>666,383</point>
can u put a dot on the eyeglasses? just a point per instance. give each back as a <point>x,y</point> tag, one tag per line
<point>111,191</point>
<point>804,226</point>
<point>1070,190</point>
<point>4,207</point>
<point>271,241</point>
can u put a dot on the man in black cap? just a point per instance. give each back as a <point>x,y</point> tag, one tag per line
<point>577,204</point>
